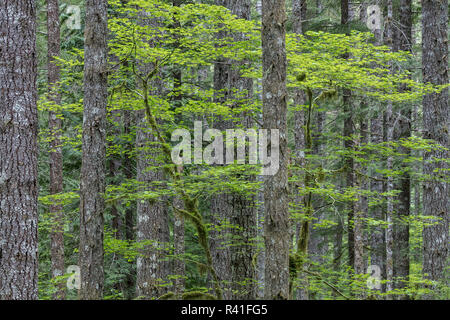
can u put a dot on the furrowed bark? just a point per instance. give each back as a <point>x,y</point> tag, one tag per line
<point>436,127</point>
<point>237,209</point>
<point>92,187</point>
<point>298,16</point>
<point>152,215</point>
<point>19,151</point>
<point>276,221</point>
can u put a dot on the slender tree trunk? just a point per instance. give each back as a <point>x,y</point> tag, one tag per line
<point>348,145</point>
<point>127,167</point>
<point>376,242</point>
<point>19,151</point>
<point>128,172</point>
<point>389,232</point>
<point>298,16</point>
<point>337,249</point>
<point>404,41</point>
<point>436,125</point>
<point>390,124</point>
<point>361,206</point>
<point>417,125</point>
<point>94,151</point>
<point>179,267</point>
<point>276,221</point>
<point>178,234</point>
<point>56,157</point>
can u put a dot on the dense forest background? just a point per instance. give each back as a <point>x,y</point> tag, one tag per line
<point>93,207</point>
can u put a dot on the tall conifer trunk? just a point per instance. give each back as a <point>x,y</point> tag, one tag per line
<point>436,127</point>
<point>18,151</point>
<point>404,41</point>
<point>92,205</point>
<point>276,222</point>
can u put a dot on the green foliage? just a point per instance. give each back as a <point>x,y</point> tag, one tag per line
<point>145,34</point>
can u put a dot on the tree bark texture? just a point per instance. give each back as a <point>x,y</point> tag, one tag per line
<point>18,151</point>
<point>276,222</point>
<point>92,187</point>
<point>436,127</point>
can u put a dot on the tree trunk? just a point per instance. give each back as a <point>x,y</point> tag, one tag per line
<point>152,219</point>
<point>276,220</point>
<point>127,169</point>
<point>92,205</point>
<point>179,267</point>
<point>243,268</point>
<point>222,204</point>
<point>361,206</point>
<point>361,234</point>
<point>337,249</point>
<point>178,234</point>
<point>436,125</point>
<point>298,16</point>
<point>390,124</point>
<point>261,257</point>
<point>404,42</point>
<point>377,245</point>
<point>19,151</point>
<point>152,265</point>
<point>348,145</point>
<point>376,242</point>
<point>238,209</point>
<point>56,157</point>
